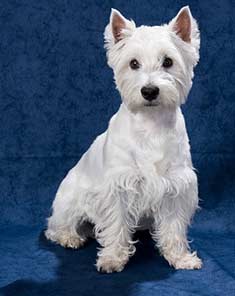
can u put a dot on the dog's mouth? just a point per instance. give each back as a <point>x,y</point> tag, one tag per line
<point>151,104</point>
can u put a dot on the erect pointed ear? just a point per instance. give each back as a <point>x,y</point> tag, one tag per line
<point>118,23</point>
<point>118,28</point>
<point>183,24</point>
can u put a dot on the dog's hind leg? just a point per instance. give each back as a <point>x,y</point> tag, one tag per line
<point>68,215</point>
<point>65,230</point>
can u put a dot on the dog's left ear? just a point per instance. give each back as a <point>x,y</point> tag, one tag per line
<point>185,27</point>
<point>118,28</point>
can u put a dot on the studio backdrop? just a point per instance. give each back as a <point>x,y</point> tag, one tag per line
<point>56,95</point>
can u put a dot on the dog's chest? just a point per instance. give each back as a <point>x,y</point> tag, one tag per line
<point>155,152</point>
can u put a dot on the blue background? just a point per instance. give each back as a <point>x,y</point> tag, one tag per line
<point>56,95</point>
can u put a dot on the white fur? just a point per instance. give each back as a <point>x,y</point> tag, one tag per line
<point>137,174</point>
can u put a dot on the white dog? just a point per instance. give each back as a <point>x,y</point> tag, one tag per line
<point>137,174</point>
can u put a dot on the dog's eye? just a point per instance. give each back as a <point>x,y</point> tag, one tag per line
<point>167,63</point>
<point>134,64</point>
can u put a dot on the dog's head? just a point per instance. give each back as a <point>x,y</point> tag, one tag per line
<point>153,66</point>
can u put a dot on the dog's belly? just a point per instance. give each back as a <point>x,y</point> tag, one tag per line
<point>145,223</point>
<point>87,228</point>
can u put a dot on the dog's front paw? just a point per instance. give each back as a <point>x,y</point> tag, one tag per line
<point>108,264</point>
<point>187,261</point>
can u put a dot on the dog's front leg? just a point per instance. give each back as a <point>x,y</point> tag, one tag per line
<point>114,235</point>
<point>177,208</point>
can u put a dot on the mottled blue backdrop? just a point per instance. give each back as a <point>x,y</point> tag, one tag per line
<point>56,95</point>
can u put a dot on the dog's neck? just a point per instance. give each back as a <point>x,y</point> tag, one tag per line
<point>150,120</point>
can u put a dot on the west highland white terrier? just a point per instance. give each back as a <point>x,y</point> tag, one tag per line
<point>138,174</point>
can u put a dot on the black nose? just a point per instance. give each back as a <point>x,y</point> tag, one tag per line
<point>150,93</point>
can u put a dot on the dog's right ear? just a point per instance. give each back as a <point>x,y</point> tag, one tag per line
<point>118,28</point>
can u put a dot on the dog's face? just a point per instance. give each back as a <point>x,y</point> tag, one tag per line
<point>153,66</point>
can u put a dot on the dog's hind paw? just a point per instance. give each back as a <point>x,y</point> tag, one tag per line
<point>73,242</point>
<point>66,240</point>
